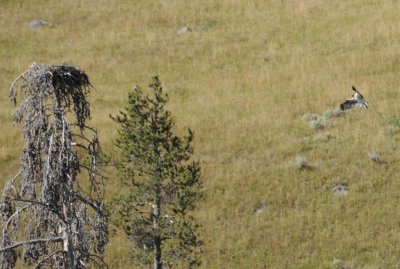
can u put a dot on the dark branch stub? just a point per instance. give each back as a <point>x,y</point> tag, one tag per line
<point>62,221</point>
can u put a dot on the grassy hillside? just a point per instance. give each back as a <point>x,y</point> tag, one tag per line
<point>242,80</point>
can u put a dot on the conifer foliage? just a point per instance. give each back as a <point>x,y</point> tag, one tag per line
<point>52,211</point>
<point>163,183</point>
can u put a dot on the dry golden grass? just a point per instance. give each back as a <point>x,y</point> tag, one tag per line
<point>242,79</point>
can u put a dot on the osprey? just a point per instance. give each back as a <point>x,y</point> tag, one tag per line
<point>357,100</point>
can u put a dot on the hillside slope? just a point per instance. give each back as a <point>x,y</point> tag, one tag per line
<point>242,79</point>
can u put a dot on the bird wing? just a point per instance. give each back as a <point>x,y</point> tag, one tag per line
<point>354,89</point>
<point>364,103</point>
<point>348,104</point>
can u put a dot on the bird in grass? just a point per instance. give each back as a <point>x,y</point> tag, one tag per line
<point>357,100</point>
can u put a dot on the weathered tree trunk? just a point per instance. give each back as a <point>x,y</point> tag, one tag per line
<point>71,260</point>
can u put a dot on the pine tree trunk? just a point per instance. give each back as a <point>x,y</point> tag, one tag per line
<point>157,238</point>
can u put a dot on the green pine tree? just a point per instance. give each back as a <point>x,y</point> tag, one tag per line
<point>163,184</point>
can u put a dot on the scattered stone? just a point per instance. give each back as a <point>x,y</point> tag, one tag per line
<point>183,30</point>
<point>36,23</point>
<point>340,189</point>
<point>339,264</point>
<point>259,209</point>
<point>375,157</point>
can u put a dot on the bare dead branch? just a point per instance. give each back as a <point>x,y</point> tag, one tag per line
<point>10,184</point>
<point>47,258</point>
<point>47,206</point>
<point>91,203</point>
<point>33,241</point>
<point>93,171</point>
<point>11,93</point>
<point>99,262</point>
<point>19,210</point>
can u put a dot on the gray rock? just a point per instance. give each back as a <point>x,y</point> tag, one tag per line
<point>260,208</point>
<point>375,157</point>
<point>340,189</point>
<point>183,30</point>
<point>36,23</point>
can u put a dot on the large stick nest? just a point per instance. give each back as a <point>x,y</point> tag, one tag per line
<point>68,84</point>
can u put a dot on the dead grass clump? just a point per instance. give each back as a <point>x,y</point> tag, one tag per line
<point>307,117</point>
<point>315,121</point>
<point>392,130</point>
<point>302,163</point>
<point>323,137</point>
<point>338,264</point>
<point>393,127</point>
<point>333,113</point>
<point>320,123</point>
